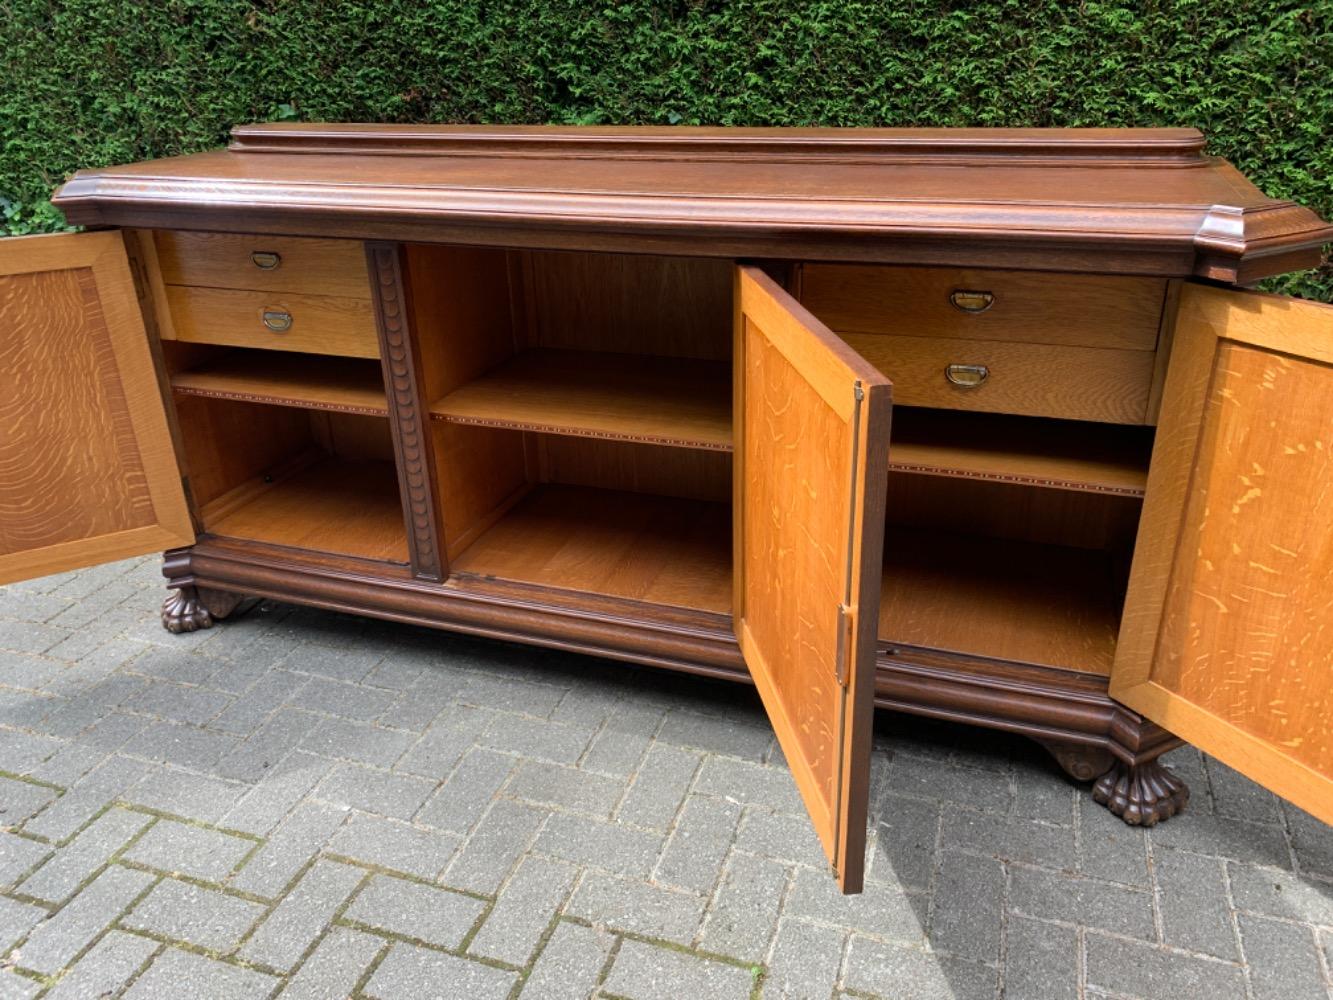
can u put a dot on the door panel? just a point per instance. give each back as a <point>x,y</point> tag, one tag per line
<point>812,431</point>
<point>1227,636</point>
<point>87,469</point>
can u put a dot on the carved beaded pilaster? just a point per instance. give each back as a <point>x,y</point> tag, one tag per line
<point>409,417</point>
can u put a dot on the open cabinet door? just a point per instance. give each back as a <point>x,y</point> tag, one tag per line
<point>87,468</point>
<point>812,460</point>
<point>1227,636</point>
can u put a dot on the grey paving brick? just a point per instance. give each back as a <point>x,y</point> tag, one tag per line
<point>270,744</point>
<point>879,910</point>
<point>30,637</point>
<point>1041,961</point>
<point>420,706</point>
<point>182,793</point>
<point>371,790</point>
<point>350,701</point>
<point>20,800</point>
<point>398,671</point>
<point>16,920</point>
<point>425,913</point>
<point>409,971</point>
<point>508,693</point>
<point>1224,837</point>
<point>335,966</point>
<point>178,702</point>
<point>524,910</point>
<point>190,850</point>
<point>395,845</point>
<point>302,915</point>
<point>277,793</point>
<point>21,752</point>
<point>535,738</point>
<point>744,737</point>
<point>358,742</point>
<point>113,731</point>
<point>1283,960</point>
<point>1281,894</point>
<point>749,784</point>
<point>1238,797</point>
<point>105,969</point>
<point>1127,967</point>
<point>1011,838</point>
<point>600,845</point>
<point>345,662</point>
<point>500,838</point>
<point>567,787</point>
<point>781,836</point>
<point>257,703</point>
<point>969,899</point>
<point>467,793</point>
<point>904,850</point>
<point>18,856</point>
<point>18,670</point>
<point>1192,898</point>
<point>659,787</point>
<point>637,907</point>
<point>77,861</point>
<point>569,966</point>
<point>283,854</point>
<point>1311,840</point>
<point>54,943</point>
<point>927,778</point>
<point>642,971</point>
<point>697,846</point>
<point>171,663</point>
<point>444,743</point>
<point>805,961</point>
<point>68,765</point>
<point>614,752</point>
<point>1108,847</point>
<point>185,912</point>
<point>179,975</point>
<point>909,974</point>
<point>1085,901</point>
<point>744,911</point>
<point>186,746</point>
<point>87,797</point>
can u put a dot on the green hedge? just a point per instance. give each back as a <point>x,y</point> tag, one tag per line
<point>91,82</point>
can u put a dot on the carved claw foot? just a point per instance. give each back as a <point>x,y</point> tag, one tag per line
<point>1141,794</point>
<point>188,608</point>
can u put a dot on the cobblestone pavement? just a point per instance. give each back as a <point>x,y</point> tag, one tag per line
<point>309,805</point>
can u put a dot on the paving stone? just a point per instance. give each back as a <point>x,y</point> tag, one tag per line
<point>105,969</point>
<point>1085,901</point>
<point>1011,838</point>
<point>20,800</point>
<point>356,741</point>
<point>535,738</point>
<point>29,637</point>
<point>179,975</point>
<point>395,845</point>
<point>282,856</point>
<point>302,915</point>
<point>277,793</point>
<point>190,850</point>
<point>54,943</point>
<point>524,910</point>
<point>421,705</point>
<point>409,971</point>
<point>488,855</point>
<point>600,845</point>
<point>744,912</point>
<point>1312,841</point>
<point>659,787</point>
<point>878,910</point>
<point>425,913</point>
<point>908,974</point>
<point>614,752</point>
<point>178,702</point>
<point>637,907</point>
<point>345,662</point>
<point>16,919</point>
<point>1238,797</point>
<point>350,701</point>
<point>1283,960</point>
<point>1109,848</point>
<point>567,787</point>
<point>335,966</point>
<point>570,965</point>
<point>905,842</point>
<point>693,856</point>
<point>1127,967</point>
<point>468,792</point>
<point>182,793</point>
<point>642,971</point>
<point>749,784</point>
<point>70,763</point>
<point>185,746</point>
<point>258,702</point>
<point>184,912</point>
<point>171,663</point>
<point>1041,961</point>
<point>370,790</point>
<point>1224,837</point>
<point>21,752</point>
<point>74,863</point>
<point>87,797</point>
<point>781,836</point>
<point>18,856</point>
<point>16,987</point>
<point>270,744</point>
<point>926,778</point>
<point>805,961</point>
<point>444,743</point>
<point>111,732</point>
<point>508,693</point>
<point>969,900</point>
<point>747,738</point>
<point>1281,894</point>
<point>1192,897</point>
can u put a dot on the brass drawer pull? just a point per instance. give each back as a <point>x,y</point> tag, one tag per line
<point>969,301</point>
<point>966,376</point>
<point>277,320</point>
<point>265,260</point>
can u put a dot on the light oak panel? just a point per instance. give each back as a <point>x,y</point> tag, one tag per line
<point>305,265</point>
<point>87,467</point>
<point>1036,380</point>
<point>690,473</point>
<point>321,324</point>
<point>1077,310</point>
<point>1228,630</point>
<point>350,385</point>
<point>668,401</point>
<point>812,424</point>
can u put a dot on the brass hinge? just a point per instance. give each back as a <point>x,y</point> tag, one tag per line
<point>858,392</point>
<point>846,640</point>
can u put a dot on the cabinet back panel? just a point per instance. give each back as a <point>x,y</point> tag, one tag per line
<point>635,468</point>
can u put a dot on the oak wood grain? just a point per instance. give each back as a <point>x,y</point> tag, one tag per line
<point>320,324</point>
<point>226,260</point>
<point>351,385</point>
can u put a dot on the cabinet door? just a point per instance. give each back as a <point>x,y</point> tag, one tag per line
<point>812,457</point>
<point>1227,636</point>
<point>87,468</point>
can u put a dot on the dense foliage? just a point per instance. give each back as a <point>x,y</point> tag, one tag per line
<point>94,82</point>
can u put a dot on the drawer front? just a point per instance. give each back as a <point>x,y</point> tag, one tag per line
<point>1037,380</point>
<point>264,263</point>
<point>1077,310</point>
<point>315,324</point>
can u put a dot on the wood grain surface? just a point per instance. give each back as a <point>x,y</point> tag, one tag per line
<point>225,260</point>
<point>321,324</point>
<point>351,385</point>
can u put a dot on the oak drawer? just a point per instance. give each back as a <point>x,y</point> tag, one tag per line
<point>1038,380</point>
<point>264,263</point>
<point>1078,310</point>
<point>315,324</point>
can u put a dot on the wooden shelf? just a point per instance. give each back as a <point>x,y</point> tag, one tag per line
<point>1038,604</point>
<point>1067,455</point>
<point>347,385</point>
<point>669,401</point>
<point>321,503</point>
<point>648,548</point>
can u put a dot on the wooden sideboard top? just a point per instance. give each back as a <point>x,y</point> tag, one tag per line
<point>1142,201</point>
